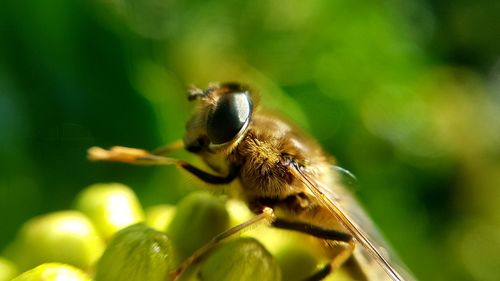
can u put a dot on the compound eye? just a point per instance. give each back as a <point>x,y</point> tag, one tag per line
<point>229,117</point>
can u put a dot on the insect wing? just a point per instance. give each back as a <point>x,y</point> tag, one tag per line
<point>352,216</point>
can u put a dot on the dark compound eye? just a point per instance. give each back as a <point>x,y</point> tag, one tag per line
<point>230,115</point>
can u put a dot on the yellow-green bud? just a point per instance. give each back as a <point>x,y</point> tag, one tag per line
<point>238,212</point>
<point>200,216</point>
<point>7,270</point>
<point>244,259</point>
<point>136,253</point>
<point>296,262</point>
<point>341,275</point>
<point>65,236</point>
<point>53,272</point>
<point>110,206</point>
<point>160,216</point>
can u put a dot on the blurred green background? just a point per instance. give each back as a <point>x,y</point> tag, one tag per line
<point>405,94</point>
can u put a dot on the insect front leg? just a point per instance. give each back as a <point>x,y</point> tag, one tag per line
<point>266,216</point>
<point>344,239</point>
<point>137,156</point>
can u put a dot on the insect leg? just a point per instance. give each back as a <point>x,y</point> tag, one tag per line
<point>210,178</point>
<point>267,216</point>
<point>346,240</point>
<point>142,157</point>
<point>313,230</point>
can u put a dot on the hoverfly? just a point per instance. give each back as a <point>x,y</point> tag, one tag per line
<point>286,179</point>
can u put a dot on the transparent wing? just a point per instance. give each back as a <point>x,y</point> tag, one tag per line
<point>352,216</point>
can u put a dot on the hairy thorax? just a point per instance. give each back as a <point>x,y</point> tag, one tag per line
<point>265,154</point>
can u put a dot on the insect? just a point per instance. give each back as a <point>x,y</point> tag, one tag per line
<point>285,176</point>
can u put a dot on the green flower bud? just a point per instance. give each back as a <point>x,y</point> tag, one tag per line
<point>7,270</point>
<point>199,217</point>
<point>53,272</point>
<point>238,212</point>
<point>298,254</point>
<point>244,259</point>
<point>296,262</point>
<point>111,206</point>
<point>66,236</point>
<point>160,216</point>
<point>136,253</point>
<point>340,275</point>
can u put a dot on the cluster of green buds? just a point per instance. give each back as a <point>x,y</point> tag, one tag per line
<point>108,236</point>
